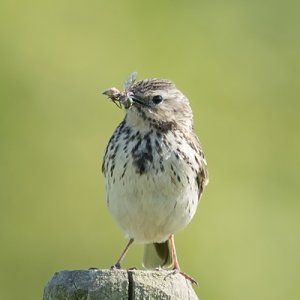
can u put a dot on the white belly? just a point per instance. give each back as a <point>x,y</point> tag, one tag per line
<point>153,205</point>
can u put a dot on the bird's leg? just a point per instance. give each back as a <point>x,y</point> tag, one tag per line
<point>176,267</point>
<point>117,265</point>
<point>173,253</point>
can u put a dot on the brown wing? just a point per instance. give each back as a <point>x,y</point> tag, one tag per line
<point>202,171</point>
<point>202,178</point>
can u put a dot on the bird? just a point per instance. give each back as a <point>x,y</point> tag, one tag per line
<point>154,168</point>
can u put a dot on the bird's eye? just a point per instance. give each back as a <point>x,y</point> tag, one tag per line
<point>157,99</point>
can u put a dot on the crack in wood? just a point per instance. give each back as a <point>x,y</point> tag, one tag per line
<point>131,293</point>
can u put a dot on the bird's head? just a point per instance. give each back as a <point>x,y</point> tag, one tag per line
<point>158,102</point>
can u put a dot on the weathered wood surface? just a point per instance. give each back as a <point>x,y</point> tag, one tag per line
<point>105,284</point>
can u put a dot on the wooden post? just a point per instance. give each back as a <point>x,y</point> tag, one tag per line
<point>97,284</point>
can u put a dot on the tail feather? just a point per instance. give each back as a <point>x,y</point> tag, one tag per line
<point>157,255</point>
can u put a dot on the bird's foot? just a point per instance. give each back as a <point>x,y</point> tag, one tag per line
<point>116,266</point>
<point>190,278</point>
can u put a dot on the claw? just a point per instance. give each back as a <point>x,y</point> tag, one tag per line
<point>186,276</point>
<point>117,266</point>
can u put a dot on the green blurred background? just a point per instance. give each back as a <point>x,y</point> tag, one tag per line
<point>237,61</point>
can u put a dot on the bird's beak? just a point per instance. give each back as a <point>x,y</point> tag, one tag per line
<point>137,100</point>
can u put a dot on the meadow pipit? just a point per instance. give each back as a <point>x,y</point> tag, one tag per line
<point>154,168</point>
